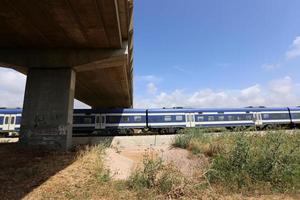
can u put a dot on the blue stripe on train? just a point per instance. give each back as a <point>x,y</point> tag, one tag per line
<point>224,125</point>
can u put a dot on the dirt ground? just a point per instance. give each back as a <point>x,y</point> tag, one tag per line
<point>122,162</point>
<point>22,170</point>
<point>29,174</point>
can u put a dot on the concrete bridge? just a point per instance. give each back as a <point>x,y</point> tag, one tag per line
<point>67,49</point>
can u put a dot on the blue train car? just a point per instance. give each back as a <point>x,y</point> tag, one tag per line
<point>10,121</point>
<point>108,120</point>
<point>295,115</point>
<point>233,117</point>
<point>128,121</point>
<point>168,119</point>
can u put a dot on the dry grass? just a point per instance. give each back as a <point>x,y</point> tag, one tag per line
<point>241,162</point>
<point>82,175</point>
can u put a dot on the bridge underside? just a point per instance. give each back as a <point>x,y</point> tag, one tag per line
<point>67,48</point>
<point>94,37</point>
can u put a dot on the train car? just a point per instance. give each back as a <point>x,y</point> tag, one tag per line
<point>114,121</point>
<point>236,117</point>
<point>166,120</point>
<point>275,117</point>
<point>295,116</point>
<point>10,121</point>
<point>129,121</point>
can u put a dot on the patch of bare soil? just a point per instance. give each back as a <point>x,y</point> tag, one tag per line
<point>123,162</point>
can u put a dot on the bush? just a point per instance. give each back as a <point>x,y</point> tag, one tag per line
<point>156,176</point>
<point>270,160</point>
<point>146,176</point>
<point>182,141</point>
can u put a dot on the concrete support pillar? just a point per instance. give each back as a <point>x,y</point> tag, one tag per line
<point>48,108</point>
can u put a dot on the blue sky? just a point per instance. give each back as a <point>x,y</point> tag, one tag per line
<point>208,53</point>
<point>190,46</point>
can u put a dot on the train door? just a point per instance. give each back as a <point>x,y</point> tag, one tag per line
<point>190,120</point>
<point>100,121</point>
<point>257,119</point>
<point>9,122</point>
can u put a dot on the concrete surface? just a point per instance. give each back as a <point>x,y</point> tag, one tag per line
<point>127,142</point>
<point>48,108</point>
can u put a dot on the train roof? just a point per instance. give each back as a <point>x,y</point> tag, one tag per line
<point>10,110</point>
<point>250,109</point>
<point>295,108</point>
<point>119,110</point>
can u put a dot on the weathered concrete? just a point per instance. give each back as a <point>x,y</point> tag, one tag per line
<point>94,37</point>
<point>48,108</point>
<point>127,142</point>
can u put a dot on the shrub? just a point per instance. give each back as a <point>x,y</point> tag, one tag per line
<point>182,141</point>
<point>156,176</point>
<point>146,176</point>
<point>271,160</point>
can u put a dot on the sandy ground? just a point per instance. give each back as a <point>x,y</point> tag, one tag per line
<point>122,162</point>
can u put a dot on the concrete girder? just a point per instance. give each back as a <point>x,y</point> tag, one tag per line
<point>103,76</point>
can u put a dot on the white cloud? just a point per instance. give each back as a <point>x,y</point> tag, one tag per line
<point>294,50</point>
<point>280,92</point>
<point>149,78</point>
<point>151,88</point>
<point>12,88</point>
<point>282,86</point>
<point>181,69</point>
<point>270,66</point>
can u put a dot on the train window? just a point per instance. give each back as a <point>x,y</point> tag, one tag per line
<point>296,115</point>
<point>211,118</point>
<point>6,120</point>
<point>125,119</point>
<point>137,118</point>
<point>266,116</point>
<point>76,120</point>
<point>12,120</point>
<point>87,120</point>
<point>200,113</point>
<point>168,118</point>
<point>200,118</point>
<point>230,118</point>
<point>221,118</point>
<point>279,116</point>
<point>97,119</point>
<point>113,119</point>
<point>248,117</point>
<point>179,118</point>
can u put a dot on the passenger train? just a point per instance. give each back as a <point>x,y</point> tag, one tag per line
<point>166,120</point>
